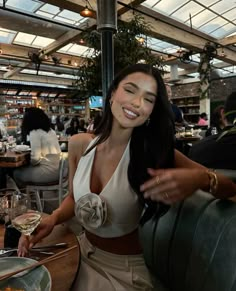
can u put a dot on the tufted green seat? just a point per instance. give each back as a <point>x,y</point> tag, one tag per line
<point>193,246</point>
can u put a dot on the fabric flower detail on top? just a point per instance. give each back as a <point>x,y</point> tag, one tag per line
<point>91,211</point>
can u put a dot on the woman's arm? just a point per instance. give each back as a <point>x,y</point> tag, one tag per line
<point>76,148</point>
<point>172,185</point>
<point>225,186</point>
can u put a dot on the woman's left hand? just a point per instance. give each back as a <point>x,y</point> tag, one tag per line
<point>172,185</point>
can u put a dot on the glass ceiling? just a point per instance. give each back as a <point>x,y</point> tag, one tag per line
<point>217,18</point>
<point>45,11</point>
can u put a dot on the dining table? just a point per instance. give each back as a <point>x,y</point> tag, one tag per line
<point>11,159</point>
<point>63,271</point>
<point>184,143</point>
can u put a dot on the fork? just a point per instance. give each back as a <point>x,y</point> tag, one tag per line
<point>36,249</point>
<point>4,252</point>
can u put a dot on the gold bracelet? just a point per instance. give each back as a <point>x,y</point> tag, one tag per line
<point>213,182</point>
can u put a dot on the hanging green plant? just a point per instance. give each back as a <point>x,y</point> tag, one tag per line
<point>128,50</point>
<point>204,69</point>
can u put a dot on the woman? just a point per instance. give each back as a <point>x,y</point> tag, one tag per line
<point>217,122</point>
<point>203,119</point>
<point>74,127</point>
<point>129,166</point>
<point>45,150</point>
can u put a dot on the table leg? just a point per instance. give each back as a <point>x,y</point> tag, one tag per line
<point>3,178</point>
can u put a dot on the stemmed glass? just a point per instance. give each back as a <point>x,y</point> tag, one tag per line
<point>5,202</point>
<point>25,212</point>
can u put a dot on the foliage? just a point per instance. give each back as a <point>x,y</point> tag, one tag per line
<point>128,50</point>
<point>204,69</point>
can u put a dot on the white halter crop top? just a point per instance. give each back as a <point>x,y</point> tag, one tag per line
<point>116,210</point>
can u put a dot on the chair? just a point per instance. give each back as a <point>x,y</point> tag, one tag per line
<point>192,247</point>
<point>60,186</point>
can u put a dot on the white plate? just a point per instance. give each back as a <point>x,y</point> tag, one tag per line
<point>36,279</point>
<point>22,148</point>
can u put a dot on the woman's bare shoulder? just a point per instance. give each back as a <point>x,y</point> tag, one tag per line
<point>80,141</point>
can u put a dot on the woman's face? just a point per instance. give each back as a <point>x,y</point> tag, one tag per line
<point>133,101</point>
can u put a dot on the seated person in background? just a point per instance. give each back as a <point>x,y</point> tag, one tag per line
<point>45,150</point>
<point>94,123</point>
<point>216,121</point>
<point>203,119</point>
<point>82,125</point>
<point>90,125</point>
<point>178,113</point>
<point>59,126</point>
<point>74,127</point>
<point>219,151</point>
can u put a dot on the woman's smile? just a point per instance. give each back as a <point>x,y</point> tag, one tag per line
<point>131,114</point>
<point>134,99</point>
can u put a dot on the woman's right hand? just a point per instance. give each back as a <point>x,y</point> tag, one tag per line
<point>44,229</point>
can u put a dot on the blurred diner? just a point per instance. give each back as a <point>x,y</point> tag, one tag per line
<point>178,113</point>
<point>45,150</point>
<point>218,151</point>
<point>217,121</point>
<point>94,122</point>
<point>74,127</point>
<point>203,119</point>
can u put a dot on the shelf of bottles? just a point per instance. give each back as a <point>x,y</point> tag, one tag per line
<point>190,105</point>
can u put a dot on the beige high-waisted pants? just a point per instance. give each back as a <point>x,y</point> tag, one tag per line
<point>104,271</point>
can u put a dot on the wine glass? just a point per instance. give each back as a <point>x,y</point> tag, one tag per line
<point>11,235</point>
<point>5,202</point>
<point>25,212</point>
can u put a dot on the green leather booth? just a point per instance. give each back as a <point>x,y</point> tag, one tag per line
<point>193,246</point>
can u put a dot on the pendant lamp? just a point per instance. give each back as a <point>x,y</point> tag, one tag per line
<point>86,12</point>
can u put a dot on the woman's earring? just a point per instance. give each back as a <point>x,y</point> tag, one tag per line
<point>147,121</point>
<point>110,102</point>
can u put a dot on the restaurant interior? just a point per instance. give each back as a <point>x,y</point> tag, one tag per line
<point>47,50</point>
<point>42,49</point>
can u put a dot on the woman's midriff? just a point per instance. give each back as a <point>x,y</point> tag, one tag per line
<point>124,245</point>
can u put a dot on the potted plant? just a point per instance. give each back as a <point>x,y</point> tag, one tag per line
<point>128,49</point>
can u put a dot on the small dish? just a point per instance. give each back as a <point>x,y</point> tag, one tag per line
<point>36,279</point>
<point>21,148</point>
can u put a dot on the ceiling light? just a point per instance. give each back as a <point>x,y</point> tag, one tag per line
<point>81,41</point>
<point>140,39</point>
<point>86,12</point>
<point>222,53</point>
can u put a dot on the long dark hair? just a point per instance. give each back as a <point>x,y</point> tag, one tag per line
<point>34,118</point>
<point>230,108</point>
<point>152,144</point>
